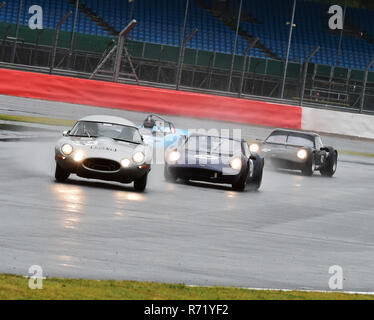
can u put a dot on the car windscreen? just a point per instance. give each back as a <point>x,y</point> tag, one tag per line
<point>299,140</point>
<point>278,138</point>
<point>213,145</point>
<point>91,129</point>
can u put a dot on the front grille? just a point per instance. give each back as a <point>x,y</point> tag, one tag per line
<point>204,173</point>
<point>101,164</point>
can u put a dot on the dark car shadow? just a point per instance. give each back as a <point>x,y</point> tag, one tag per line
<point>297,173</point>
<point>205,185</point>
<point>211,186</point>
<point>98,185</point>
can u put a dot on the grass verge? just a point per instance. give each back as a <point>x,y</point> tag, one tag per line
<point>40,120</point>
<point>16,287</point>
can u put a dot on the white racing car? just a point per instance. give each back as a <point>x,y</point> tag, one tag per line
<point>105,148</point>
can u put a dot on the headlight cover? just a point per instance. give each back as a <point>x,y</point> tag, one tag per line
<point>67,149</point>
<point>173,156</point>
<point>125,163</point>
<point>302,154</point>
<point>254,147</point>
<point>78,156</point>
<point>138,157</point>
<point>236,163</point>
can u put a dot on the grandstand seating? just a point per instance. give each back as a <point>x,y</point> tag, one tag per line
<point>311,30</point>
<point>161,22</point>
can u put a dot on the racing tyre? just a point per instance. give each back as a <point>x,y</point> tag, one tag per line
<point>140,184</point>
<point>331,163</point>
<point>255,182</point>
<point>169,177</point>
<point>309,167</point>
<point>61,174</point>
<point>240,185</point>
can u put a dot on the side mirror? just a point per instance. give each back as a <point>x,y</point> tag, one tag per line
<point>66,133</point>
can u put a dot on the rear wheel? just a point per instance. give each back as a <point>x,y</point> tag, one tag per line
<point>309,167</point>
<point>140,184</point>
<point>331,163</point>
<point>169,177</point>
<point>61,174</point>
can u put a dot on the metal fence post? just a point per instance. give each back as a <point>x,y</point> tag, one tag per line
<point>56,40</point>
<point>235,45</point>
<point>365,84</point>
<point>13,57</point>
<point>2,5</point>
<point>285,67</point>
<point>132,10</point>
<point>306,64</point>
<point>111,47</point>
<point>77,2</point>
<point>182,37</point>
<point>341,35</point>
<point>121,40</point>
<point>181,58</point>
<point>244,65</point>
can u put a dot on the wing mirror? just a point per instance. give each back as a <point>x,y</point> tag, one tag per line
<point>66,133</point>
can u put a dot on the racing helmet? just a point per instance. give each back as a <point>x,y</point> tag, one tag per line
<point>149,122</point>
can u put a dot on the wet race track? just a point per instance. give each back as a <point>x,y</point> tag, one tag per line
<point>287,235</point>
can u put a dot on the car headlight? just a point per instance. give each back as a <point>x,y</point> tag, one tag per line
<point>67,149</point>
<point>254,147</point>
<point>125,163</point>
<point>174,156</point>
<point>236,163</point>
<point>302,154</point>
<point>78,156</point>
<point>138,157</point>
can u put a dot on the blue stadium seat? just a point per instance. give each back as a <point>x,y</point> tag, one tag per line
<point>161,22</point>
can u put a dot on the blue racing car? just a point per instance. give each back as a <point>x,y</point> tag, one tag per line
<point>159,132</point>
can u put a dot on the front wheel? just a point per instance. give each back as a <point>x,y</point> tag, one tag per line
<point>61,174</point>
<point>140,184</point>
<point>331,164</point>
<point>240,185</point>
<point>254,183</point>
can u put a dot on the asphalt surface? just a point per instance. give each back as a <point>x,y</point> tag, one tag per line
<point>287,235</point>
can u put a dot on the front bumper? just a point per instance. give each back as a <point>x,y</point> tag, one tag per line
<point>288,164</point>
<point>206,173</point>
<point>123,175</point>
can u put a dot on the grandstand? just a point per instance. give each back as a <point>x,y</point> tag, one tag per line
<point>161,22</point>
<point>160,25</point>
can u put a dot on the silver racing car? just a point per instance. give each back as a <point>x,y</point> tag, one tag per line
<point>297,150</point>
<point>106,148</point>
